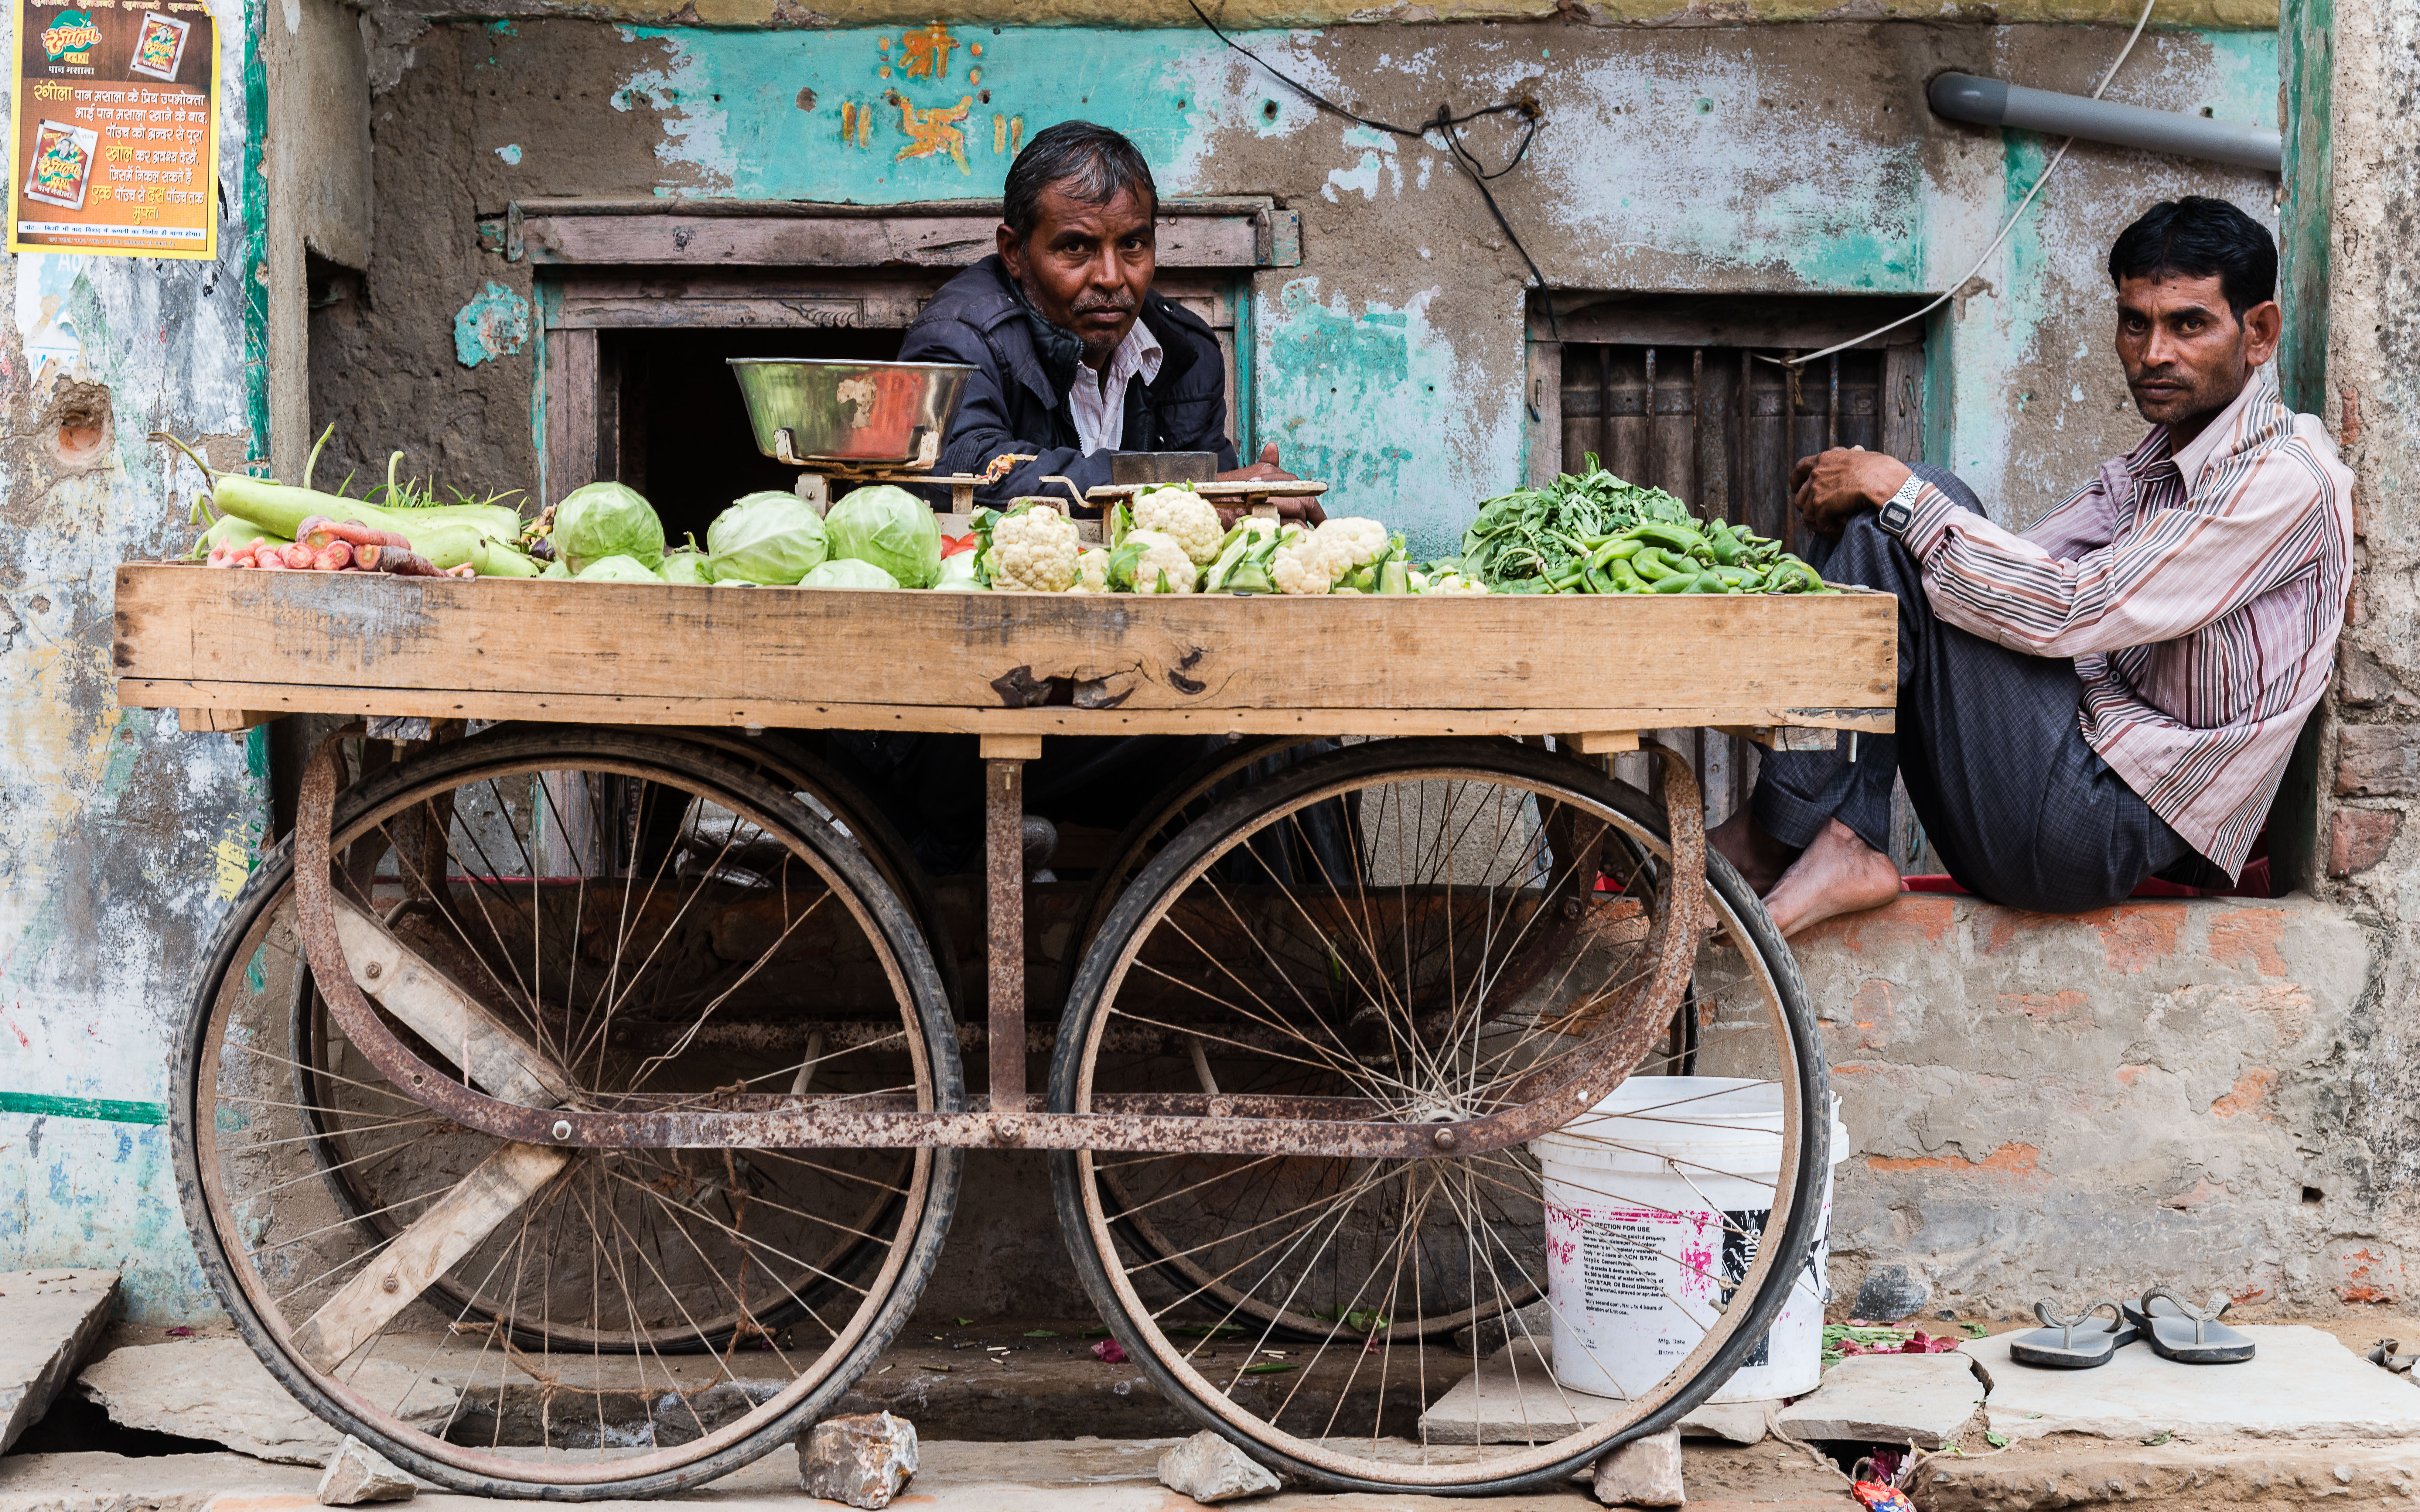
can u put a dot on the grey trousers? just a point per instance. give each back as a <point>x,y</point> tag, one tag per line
<point>2022,810</point>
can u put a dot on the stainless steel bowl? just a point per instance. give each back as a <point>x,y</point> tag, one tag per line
<point>808,411</point>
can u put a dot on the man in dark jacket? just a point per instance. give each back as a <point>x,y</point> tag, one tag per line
<point>1074,356</point>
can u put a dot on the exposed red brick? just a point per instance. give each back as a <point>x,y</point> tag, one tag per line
<point>2378,761</point>
<point>2358,838</point>
<point>2250,1089</point>
<point>2248,937</point>
<point>2349,429</point>
<point>2020,1161</point>
<point>1917,919</point>
<point>2133,935</point>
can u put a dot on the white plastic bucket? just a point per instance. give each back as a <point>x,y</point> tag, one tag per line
<point>1655,1202</point>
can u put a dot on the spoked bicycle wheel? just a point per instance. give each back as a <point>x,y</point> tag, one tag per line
<point>1488,929</point>
<point>566,916</point>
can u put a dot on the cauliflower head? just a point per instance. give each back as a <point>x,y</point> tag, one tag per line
<point>1356,543</point>
<point>1184,516</point>
<point>1034,551</point>
<point>1092,572</point>
<point>1454,582</point>
<point>1147,562</point>
<point>1304,563</point>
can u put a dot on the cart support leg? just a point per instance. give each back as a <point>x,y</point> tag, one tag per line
<point>1004,759</point>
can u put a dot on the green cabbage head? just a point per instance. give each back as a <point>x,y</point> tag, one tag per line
<point>617,570</point>
<point>765,537</point>
<point>685,564</point>
<point>848,572</point>
<point>891,528</point>
<point>607,519</point>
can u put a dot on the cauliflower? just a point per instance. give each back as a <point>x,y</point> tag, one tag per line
<point>1184,517</point>
<point>1356,543</point>
<point>1454,582</point>
<point>1243,564</point>
<point>1147,562</point>
<point>1092,571</point>
<point>1303,563</point>
<point>1033,550</point>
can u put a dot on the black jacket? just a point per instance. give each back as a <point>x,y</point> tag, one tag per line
<point>1017,400</point>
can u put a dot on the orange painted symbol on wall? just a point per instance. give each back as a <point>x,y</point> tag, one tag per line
<point>934,130</point>
<point>929,50</point>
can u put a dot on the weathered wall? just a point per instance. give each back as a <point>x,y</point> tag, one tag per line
<point>2369,765</point>
<point>1782,158</point>
<point>2081,1107</point>
<point>120,839</point>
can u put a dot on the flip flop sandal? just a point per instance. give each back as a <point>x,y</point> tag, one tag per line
<point>2077,1343</point>
<point>2176,1330</point>
<point>2389,1355</point>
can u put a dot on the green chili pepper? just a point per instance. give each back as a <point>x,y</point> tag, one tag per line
<point>1678,582</point>
<point>1599,583</point>
<point>1649,562</point>
<point>1613,551</point>
<point>1624,581</point>
<point>1673,537</point>
<point>1726,546</point>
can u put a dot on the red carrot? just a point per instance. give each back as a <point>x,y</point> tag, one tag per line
<point>318,532</point>
<point>404,563</point>
<point>296,555</point>
<point>334,557</point>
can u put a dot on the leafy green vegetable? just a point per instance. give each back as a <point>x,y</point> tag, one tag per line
<point>958,575</point>
<point>766,537</point>
<point>848,572</point>
<point>891,528</point>
<point>607,519</point>
<point>617,570</point>
<point>1531,535</point>
<point>685,564</point>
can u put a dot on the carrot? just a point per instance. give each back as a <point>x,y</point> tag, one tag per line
<point>296,556</point>
<point>272,561</point>
<point>319,532</point>
<point>334,557</point>
<point>404,564</point>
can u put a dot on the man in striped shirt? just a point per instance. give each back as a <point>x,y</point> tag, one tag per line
<point>2114,693</point>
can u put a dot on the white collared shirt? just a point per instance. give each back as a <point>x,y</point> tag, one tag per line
<point>1100,408</point>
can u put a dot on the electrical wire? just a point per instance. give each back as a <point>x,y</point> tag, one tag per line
<point>2014,216</point>
<point>1447,126</point>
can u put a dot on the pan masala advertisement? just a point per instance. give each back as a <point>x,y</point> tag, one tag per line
<point>114,140</point>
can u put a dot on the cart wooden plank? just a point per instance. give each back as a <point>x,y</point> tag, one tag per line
<point>190,637</point>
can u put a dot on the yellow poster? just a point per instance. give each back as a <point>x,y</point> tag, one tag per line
<point>114,140</point>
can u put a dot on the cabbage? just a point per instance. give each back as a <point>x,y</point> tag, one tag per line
<point>848,572</point>
<point>607,519</point>
<point>617,570</point>
<point>891,528</point>
<point>685,564</point>
<point>766,537</point>
<point>958,574</point>
<point>556,569</point>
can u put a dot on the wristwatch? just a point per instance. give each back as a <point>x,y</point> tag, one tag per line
<point>1901,507</point>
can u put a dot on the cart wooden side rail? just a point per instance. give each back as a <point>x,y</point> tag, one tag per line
<point>602,661</point>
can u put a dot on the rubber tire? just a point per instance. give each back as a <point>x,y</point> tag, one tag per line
<point>1363,761</point>
<point>565,745</point>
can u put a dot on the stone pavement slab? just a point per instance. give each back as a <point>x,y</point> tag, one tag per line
<point>216,1388</point>
<point>1889,1399</point>
<point>1062,1476</point>
<point>48,1320</point>
<point>2183,1476</point>
<point>2299,1384</point>
<point>1513,1398</point>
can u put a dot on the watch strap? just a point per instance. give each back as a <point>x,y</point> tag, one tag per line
<point>1901,507</point>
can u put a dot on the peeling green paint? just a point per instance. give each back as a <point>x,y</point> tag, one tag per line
<point>495,323</point>
<point>42,1106</point>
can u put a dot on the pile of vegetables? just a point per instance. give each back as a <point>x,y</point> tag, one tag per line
<point>1594,533</point>
<point>402,528</point>
<point>1169,540</point>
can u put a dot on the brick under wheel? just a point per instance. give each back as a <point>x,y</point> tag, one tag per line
<point>634,912</point>
<point>1312,1308</point>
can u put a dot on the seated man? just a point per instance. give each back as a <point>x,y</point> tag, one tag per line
<point>2115,692</point>
<point>1075,356</point>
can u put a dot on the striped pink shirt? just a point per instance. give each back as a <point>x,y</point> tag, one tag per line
<point>2200,596</point>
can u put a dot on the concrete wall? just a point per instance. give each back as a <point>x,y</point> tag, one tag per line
<point>120,839</point>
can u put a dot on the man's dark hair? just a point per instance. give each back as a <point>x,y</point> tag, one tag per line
<point>2200,238</point>
<point>1088,164</point>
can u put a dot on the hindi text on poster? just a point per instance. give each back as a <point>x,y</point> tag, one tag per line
<point>114,136</point>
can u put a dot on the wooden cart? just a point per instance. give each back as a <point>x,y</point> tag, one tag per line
<point>573,1108</point>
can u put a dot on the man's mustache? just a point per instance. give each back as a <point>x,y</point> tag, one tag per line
<point>1122,304</point>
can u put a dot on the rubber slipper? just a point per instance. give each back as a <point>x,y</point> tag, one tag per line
<point>2176,1330</point>
<point>2077,1343</point>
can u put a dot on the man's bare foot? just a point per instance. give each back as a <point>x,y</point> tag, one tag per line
<point>1840,873</point>
<point>1761,859</point>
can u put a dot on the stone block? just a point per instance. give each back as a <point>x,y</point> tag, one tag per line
<point>217,1389</point>
<point>1492,1332</point>
<point>1208,1469</point>
<point>2378,761</point>
<point>2359,839</point>
<point>1889,1293</point>
<point>1643,1472</point>
<point>2300,1383</point>
<point>863,1461</point>
<point>1513,1398</point>
<point>2363,683</point>
<point>1889,1399</point>
<point>357,1473</point>
<point>48,1319</point>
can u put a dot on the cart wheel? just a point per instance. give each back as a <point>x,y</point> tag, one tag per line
<point>1385,978</point>
<point>833,796</point>
<point>596,1323</point>
<point>1186,798</point>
